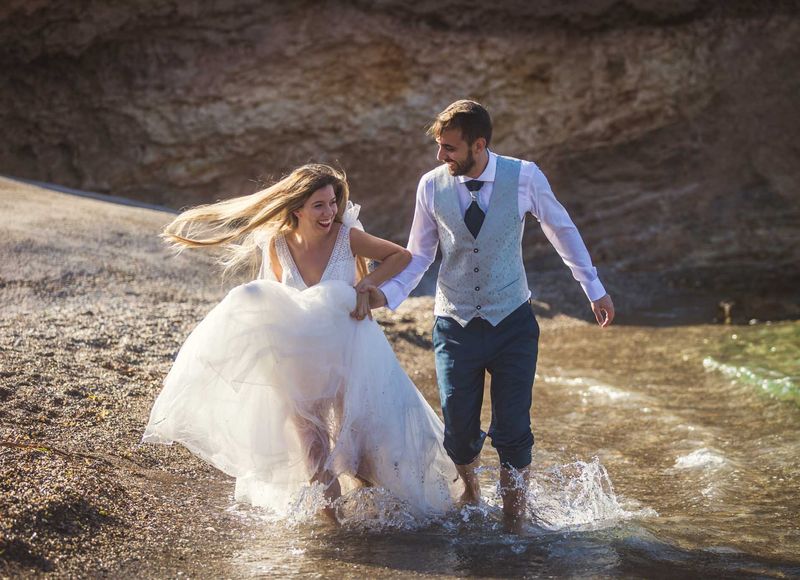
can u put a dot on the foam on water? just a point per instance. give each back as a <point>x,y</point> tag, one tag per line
<point>702,458</point>
<point>563,380</point>
<point>610,392</point>
<point>772,382</point>
<point>593,389</point>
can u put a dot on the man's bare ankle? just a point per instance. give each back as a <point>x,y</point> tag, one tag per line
<point>513,522</point>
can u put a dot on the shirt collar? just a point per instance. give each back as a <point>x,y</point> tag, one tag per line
<point>488,172</point>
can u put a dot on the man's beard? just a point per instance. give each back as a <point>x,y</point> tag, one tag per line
<point>464,167</point>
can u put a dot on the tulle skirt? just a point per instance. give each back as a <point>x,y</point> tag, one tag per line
<point>276,385</point>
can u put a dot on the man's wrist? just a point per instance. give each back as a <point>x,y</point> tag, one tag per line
<point>378,299</point>
<point>391,293</point>
<point>594,290</point>
<point>382,298</point>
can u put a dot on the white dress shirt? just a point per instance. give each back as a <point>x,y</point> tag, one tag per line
<point>534,196</point>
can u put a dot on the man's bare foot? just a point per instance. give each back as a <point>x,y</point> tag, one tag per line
<point>472,487</point>
<point>514,491</point>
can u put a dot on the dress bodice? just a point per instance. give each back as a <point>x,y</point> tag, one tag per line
<point>341,265</point>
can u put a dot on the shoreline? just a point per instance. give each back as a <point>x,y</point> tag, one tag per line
<point>91,194</point>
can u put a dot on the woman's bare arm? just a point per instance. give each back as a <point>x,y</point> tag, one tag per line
<point>393,258</point>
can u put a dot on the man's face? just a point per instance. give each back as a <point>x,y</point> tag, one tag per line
<point>455,151</point>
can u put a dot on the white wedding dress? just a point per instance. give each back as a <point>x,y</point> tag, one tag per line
<point>278,382</point>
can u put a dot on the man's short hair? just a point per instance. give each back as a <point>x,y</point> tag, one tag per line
<point>469,116</point>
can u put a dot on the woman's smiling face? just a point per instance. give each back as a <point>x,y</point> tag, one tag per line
<point>318,211</point>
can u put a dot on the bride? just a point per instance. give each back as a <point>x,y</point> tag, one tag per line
<point>288,382</point>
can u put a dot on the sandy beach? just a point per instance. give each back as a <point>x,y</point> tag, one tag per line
<point>94,309</point>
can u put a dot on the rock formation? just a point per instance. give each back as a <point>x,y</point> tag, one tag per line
<point>668,129</point>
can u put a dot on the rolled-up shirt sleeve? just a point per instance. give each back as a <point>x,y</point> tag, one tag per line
<point>423,241</point>
<point>563,235</point>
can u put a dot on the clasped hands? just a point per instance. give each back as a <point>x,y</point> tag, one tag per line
<point>368,296</point>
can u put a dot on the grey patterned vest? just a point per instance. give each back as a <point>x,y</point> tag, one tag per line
<point>484,276</point>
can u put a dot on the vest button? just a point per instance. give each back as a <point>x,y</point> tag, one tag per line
<point>475,250</point>
<point>478,307</point>
<point>476,269</point>
<point>477,288</point>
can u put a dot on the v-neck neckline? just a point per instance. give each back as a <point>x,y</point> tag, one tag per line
<point>327,264</point>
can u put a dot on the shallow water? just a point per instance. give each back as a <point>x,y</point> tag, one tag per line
<point>766,356</point>
<point>650,461</point>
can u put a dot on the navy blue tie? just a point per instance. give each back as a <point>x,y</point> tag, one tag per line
<point>474,216</point>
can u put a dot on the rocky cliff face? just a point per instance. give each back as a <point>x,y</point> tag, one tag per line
<point>668,129</point>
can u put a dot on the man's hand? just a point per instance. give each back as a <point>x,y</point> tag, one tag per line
<point>362,309</point>
<point>377,299</point>
<point>603,309</point>
<point>368,296</point>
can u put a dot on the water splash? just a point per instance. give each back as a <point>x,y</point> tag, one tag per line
<point>307,504</point>
<point>374,509</point>
<point>304,508</point>
<point>577,495</point>
<point>567,497</point>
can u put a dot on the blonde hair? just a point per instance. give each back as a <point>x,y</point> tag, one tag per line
<point>241,225</point>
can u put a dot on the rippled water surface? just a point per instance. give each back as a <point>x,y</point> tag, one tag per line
<point>659,452</point>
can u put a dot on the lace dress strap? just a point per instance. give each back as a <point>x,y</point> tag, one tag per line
<point>342,264</point>
<point>291,275</point>
<point>265,271</point>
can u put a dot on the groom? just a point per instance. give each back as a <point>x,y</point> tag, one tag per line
<point>473,207</point>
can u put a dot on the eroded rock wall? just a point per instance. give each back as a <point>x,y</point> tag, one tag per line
<point>668,129</point>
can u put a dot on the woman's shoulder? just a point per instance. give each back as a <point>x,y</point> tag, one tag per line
<point>342,234</point>
<point>354,237</point>
<point>347,232</point>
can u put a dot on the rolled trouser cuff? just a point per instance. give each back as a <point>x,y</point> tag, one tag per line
<point>516,458</point>
<point>463,454</point>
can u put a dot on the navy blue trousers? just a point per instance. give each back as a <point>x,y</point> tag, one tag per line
<point>508,353</point>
